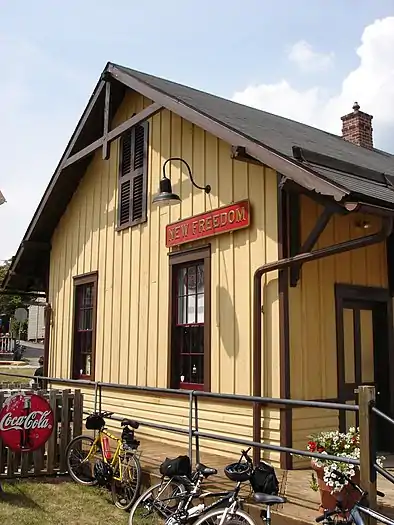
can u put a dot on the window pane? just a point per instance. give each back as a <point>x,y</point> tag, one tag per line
<point>191,309</point>
<point>197,339</point>
<point>200,278</point>
<point>181,282</point>
<point>185,343</point>
<point>200,308</point>
<point>88,319</point>
<point>87,296</point>
<point>185,369</point>
<point>191,280</point>
<point>182,310</point>
<point>197,369</point>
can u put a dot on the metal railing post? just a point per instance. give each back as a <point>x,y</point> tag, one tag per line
<point>366,397</point>
<point>191,426</point>
<point>197,439</point>
<point>95,396</point>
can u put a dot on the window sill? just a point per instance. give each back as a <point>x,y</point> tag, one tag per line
<point>84,378</point>
<point>130,225</point>
<point>192,386</point>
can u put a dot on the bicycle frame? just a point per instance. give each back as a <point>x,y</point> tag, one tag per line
<point>187,497</point>
<point>98,442</point>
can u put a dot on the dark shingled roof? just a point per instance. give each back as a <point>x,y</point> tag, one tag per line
<point>279,133</point>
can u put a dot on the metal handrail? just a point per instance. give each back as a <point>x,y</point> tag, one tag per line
<point>193,395</point>
<point>383,415</point>
<point>198,393</point>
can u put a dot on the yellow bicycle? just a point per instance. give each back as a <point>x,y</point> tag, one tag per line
<point>90,460</point>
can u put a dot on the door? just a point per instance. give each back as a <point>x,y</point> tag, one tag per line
<point>364,340</point>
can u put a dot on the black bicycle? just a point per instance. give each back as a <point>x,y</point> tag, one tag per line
<point>173,499</point>
<point>356,514</point>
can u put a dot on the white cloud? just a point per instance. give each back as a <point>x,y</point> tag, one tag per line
<point>303,55</point>
<point>371,84</point>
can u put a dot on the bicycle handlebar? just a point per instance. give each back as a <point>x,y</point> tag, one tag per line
<point>104,414</point>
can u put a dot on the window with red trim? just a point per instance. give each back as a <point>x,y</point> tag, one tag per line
<point>84,328</point>
<point>188,330</point>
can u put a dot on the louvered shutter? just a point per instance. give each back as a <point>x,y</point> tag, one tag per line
<point>133,177</point>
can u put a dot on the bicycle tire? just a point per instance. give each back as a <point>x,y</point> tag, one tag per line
<point>246,519</point>
<point>177,487</point>
<point>92,482</point>
<point>133,492</point>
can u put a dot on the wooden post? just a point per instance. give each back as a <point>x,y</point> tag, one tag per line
<point>366,399</point>
<point>77,413</point>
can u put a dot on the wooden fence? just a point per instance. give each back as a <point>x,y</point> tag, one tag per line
<point>67,408</point>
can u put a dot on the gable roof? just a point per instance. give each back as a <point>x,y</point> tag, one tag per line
<point>325,163</point>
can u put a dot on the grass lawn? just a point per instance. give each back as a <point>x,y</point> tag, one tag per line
<point>57,502</point>
<point>13,378</point>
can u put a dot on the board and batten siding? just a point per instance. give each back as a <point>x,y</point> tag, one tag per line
<point>313,345</point>
<point>133,272</point>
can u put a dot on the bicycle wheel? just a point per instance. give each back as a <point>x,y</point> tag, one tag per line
<point>159,502</point>
<point>125,491</point>
<point>80,467</point>
<point>214,517</point>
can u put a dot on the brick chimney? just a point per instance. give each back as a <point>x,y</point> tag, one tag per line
<point>357,127</point>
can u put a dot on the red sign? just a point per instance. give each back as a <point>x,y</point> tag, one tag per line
<point>26,422</point>
<point>221,220</point>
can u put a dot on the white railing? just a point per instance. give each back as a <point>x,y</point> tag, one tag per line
<point>7,344</point>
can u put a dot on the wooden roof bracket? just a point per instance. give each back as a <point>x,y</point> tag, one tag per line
<point>310,242</point>
<point>353,244</point>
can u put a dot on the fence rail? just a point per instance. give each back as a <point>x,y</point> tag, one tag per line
<point>50,459</point>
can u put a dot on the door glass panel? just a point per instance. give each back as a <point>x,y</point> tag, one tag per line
<point>367,363</point>
<point>348,345</point>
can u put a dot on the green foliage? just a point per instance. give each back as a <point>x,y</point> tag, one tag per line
<point>9,303</point>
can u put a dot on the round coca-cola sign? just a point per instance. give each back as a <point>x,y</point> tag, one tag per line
<point>26,422</point>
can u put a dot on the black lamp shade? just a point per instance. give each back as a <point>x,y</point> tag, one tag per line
<point>165,195</point>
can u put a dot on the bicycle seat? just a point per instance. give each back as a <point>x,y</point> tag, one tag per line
<point>268,499</point>
<point>205,471</point>
<point>130,423</point>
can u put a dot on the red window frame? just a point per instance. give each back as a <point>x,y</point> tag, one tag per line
<point>82,334</point>
<point>178,263</point>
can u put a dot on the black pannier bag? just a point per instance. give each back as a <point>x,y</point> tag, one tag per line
<point>264,479</point>
<point>95,422</point>
<point>179,466</point>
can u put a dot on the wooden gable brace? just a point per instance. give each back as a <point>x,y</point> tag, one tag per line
<point>108,137</point>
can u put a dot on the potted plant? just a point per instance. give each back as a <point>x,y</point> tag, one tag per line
<point>332,489</point>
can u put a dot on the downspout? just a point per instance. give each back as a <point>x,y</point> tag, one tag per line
<point>346,246</point>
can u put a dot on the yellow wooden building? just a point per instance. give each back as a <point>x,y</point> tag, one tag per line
<point>166,277</point>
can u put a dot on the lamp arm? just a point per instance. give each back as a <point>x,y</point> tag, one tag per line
<point>206,188</point>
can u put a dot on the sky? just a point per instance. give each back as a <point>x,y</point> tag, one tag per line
<point>305,60</point>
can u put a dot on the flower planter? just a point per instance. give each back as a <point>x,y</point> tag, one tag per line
<point>348,496</point>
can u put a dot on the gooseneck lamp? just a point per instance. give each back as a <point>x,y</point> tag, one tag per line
<point>166,195</point>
